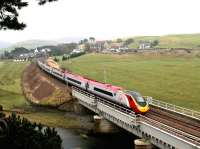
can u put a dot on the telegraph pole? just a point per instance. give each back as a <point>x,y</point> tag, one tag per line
<point>104,73</point>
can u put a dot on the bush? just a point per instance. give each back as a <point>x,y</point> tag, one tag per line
<point>65,58</point>
<point>76,54</point>
<point>22,134</point>
<point>56,59</point>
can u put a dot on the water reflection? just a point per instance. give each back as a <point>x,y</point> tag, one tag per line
<point>73,139</point>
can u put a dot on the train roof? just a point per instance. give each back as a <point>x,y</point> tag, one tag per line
<point>105,85</point>
<point>97,83</point>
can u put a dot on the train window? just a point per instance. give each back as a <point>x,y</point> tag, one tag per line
<point>139,99</point>
<point>103,91</point>
<point>75,81</point>
<point>57,73</point>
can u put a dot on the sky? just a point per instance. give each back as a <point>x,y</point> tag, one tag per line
<point>106,19</point>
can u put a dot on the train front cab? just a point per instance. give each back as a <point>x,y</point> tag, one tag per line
<point>137,102</point>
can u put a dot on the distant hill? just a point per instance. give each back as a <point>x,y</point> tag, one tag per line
<point>170,41</point>
<point>69,39</point>
<point>167,41</point>
<point>30,44</point>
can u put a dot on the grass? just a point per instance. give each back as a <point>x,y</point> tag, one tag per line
<point>168,78</point>
<point>10,89</point>
<point>171,41</point>
<point>53,118</point>
<point>11,97</point>
<point>172,79</point>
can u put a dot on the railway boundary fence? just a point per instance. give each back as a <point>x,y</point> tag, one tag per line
<point>174,108</point>
<point>157,133</point>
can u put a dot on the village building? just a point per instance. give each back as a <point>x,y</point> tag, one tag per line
<point>145,45</point>
<point>99,45</point>
<point>76,51</point>
<point>81,46</point>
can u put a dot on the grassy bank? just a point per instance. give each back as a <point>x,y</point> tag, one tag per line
<point>10,89</point>
<point>11,97</point>
<point>169,78</point>
<point>170,41</point>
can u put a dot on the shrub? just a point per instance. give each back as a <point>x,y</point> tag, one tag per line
<point>22,134</point>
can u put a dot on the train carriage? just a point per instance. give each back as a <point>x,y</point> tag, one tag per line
<point>129,99</point>
<point>75,80</point>
<point>58,73</point>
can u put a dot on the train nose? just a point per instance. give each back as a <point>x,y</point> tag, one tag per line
<point>144,109</point>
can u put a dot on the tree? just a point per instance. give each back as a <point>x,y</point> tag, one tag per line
<point>56,59</point>
<point>7,54</point>
<point>65,57</point>
<point>155,43</point>
<point>87,47</point>
<point>81,42</point>
<point>22,134</point>
<point>85,40</point>
<point>9,13</point>
<point>119,40</point>
<point>129,41</point>
<point>92,39</point>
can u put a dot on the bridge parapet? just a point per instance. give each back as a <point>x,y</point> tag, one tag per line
<point>174,108</point>
<point>157,133</point>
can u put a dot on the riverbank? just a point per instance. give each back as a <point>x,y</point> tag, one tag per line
<point>51,101</point>
<point>13,100</point>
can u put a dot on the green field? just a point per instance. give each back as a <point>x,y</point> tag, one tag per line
<point>10,89</point>
<point>168,78</point>
<point>11,97</point>
<point>170,41</point>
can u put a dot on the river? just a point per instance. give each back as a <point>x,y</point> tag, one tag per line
<point>74,139</point>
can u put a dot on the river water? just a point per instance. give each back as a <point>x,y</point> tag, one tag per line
<point>73,139</point>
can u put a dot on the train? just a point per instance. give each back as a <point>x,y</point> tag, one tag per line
<point>128,99</point>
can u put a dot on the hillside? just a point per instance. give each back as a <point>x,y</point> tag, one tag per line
<point>167,41</point>
<point>170,41</point>
<point>30,44</point>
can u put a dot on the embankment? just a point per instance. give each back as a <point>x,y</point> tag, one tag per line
<point>43,90</point>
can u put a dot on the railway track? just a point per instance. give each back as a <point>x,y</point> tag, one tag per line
<point>171,130</point>
<point>188,125</point>
<point>173,123</point>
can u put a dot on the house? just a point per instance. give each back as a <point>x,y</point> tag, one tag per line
<point>116,45</point>
<point>24,57</point>
<point>36,50</point>
<point>145,45</point>
<point>44,50</point>
<point>98,45</point>
<point>76,51</point>
<point>81,46</point>
<point>106,45</point>
<point>92,40</point>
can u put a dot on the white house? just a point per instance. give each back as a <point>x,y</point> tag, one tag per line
<point>145,45</point>
<point>36,50</point>
<point>75,51</point>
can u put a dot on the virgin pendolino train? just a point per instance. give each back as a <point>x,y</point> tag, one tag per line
<point>129,99</point>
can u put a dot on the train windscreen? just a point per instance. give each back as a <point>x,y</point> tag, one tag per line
<point>139,99</point>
